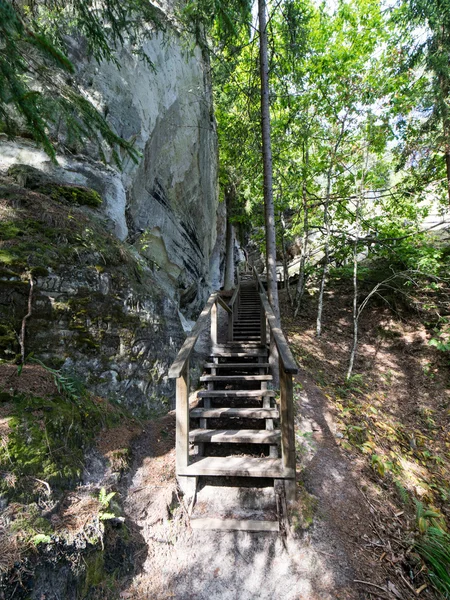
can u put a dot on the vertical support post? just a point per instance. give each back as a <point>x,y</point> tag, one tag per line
<point>231,319</point>
<point>182,419</point>
<point>214,324</point>
<point>263,326</point>
<point>287,428</point>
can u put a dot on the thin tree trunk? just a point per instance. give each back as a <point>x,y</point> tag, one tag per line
<point>269,215</point>
<point>326,266</point>
<point>287,287</point>
<point>355,309</point>
<point>326,218</point>
<point>301,275</point>
<point>229,247</point>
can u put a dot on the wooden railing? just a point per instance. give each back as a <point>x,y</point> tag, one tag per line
<point>180,369</point>
<point>287,368</point>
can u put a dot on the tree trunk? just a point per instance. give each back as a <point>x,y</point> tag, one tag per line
<point>355,309</point>
<point>229,247</point>
<point>326,265</point>
<point>301,274</point>
<point>269,215</point>
<point>287,287</point>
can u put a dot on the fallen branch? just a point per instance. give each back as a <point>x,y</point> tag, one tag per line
<point>24,320</point>
<point>379,587</point>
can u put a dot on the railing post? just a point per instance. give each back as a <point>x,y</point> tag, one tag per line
<point>263,327</point>
<point>231,324</point>
<point>182,419</point>
<point>214,324</point>
<point>287,429</point>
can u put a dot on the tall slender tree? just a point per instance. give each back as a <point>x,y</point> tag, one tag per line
<point>269,212</point>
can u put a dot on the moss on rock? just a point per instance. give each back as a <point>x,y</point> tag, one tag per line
<point>47,439</point>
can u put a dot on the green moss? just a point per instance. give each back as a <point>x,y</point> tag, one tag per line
<point>39,271</point>
<point>8,341</point>
<point>28,521</point>
<point>75,194</point>
<point>303,517</point>
<point>8,230</point>
<point>47,440</point>
<point>7,257</point>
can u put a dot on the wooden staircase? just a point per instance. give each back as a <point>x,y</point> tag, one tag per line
<point>239,429</point>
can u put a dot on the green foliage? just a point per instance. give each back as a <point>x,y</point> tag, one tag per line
<point>37,87</point>
<point>433,546</point>
<point>441,336</point>
<point>105,500</point>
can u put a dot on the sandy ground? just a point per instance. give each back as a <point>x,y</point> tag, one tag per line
<point>320,560</point>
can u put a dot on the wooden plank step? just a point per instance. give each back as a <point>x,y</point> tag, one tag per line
<point>237,354</point>
<point>235,436</point>
<point>244,413</point>
<point>237,378</point>
<point>238,466</point>
<point>211,524</point>
<point>239,346</point>
<point>237,365</point>
<point>236,394</point>
<point>252,332</point>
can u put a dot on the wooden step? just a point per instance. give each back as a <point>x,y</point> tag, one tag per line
<point>238,466</point>
<point>211,524</point>
<point>235,436</point>
<point>236,378</point>
<point>239,346</point>
<point>244,413</point>
<point>236,394</point>
<point>237,365</point>
<point>236,354</point>
<point>250,349</point>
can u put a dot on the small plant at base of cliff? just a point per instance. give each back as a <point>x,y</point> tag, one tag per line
<point>432,544</point>
<point>105,499</point>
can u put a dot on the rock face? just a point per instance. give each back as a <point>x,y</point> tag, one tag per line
<point>164,209</point>
<point>171,194</point>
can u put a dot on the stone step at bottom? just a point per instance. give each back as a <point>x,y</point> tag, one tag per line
<point>211,524</point>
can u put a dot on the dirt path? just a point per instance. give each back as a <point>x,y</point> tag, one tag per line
<point>320,561</point>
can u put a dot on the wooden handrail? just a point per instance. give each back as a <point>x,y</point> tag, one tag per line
<point>224,305</point>
<point>235,295</point>
<point>287,361</point>
<point>183,355</point>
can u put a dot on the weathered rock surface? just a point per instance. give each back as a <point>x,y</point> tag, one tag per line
<point>119,326</point>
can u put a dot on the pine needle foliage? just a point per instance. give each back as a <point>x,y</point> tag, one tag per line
<point>39,94</point>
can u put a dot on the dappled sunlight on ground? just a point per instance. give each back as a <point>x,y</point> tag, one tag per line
<point>395,409</point>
